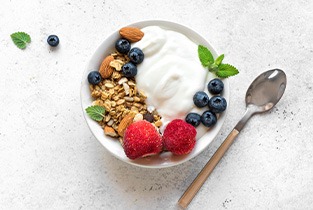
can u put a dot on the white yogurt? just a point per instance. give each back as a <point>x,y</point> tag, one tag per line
<point>171,72</point>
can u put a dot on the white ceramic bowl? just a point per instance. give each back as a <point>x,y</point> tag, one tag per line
<point>165,159</point>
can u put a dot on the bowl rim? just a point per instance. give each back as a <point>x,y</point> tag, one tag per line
<point>147,23</point>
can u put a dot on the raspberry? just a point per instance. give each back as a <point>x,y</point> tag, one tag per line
<point>179,137</point>
<point>141,139</point>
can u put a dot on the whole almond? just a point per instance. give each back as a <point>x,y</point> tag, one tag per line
<point>105,69</point>
<point>125,122</point>
<point>132,34</point>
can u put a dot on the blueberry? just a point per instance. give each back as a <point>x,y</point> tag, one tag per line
<point>136,55</point>
<point>53,40</point>
<point>215,86</point>
<point>94,77</point>
<point>193,119</point>
<point>201,99</point>
<point>208,118</point>
<point>129,70</point>
<point>217,104</point>
<point>122,46</point>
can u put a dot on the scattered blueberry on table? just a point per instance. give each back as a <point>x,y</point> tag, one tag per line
<point>53,40</point>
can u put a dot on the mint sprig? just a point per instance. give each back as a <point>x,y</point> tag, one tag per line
<point>216,66</point>
<point>96,112</point>
<point>20,39</point>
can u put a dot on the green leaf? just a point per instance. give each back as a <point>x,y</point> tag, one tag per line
<point>20,39</point>
<point>226,70</point>
<point>219,59</point>
<point>205,55</point>
<point>96,112</point>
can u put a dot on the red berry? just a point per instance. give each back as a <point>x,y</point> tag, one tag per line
<point>141,139</point>
<point>179,137</point>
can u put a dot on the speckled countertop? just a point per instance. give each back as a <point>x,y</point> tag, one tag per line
<point>50,160</point>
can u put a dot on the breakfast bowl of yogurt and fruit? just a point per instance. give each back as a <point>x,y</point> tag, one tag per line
<point>155,93</point>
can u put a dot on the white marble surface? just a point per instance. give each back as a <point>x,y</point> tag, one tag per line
<point>50,160</point>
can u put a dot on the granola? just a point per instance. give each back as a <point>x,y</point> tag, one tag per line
<point>121,98</point>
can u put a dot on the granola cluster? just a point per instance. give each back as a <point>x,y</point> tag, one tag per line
<point>121,99</point>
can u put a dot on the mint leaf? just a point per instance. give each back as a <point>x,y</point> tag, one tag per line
<point>226,70</point>
<point>219,59</point>
<point>205,55</point>
<point>96,112</point>
<point>20,39</point>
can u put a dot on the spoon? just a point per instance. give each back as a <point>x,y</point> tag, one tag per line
<point>262,95</point>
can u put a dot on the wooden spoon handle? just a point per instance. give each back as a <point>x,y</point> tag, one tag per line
<point>206,171</point>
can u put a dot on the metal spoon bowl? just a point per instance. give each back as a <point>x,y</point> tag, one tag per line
<point>262,95</point>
